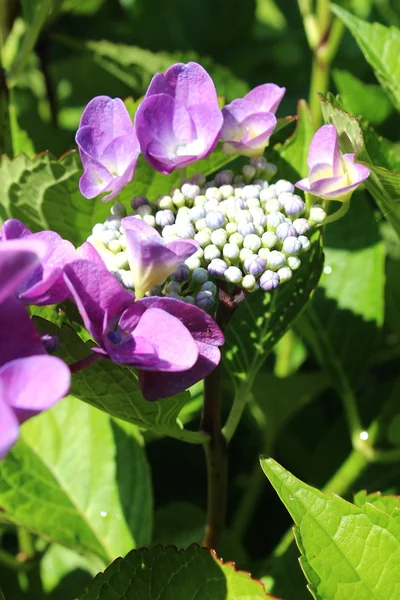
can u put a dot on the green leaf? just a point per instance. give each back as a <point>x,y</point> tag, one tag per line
<point>43,192</point>
<point>341,322</point>
<point>360,98</point>
<point>294,151</point>
<point>167,572</point>
<point>79,478</point>
<point>347,552</point>
<point>115,389</point>
<point>81,7</point>
<point>390,504</point>
<point>255,329</point>
<point>381,48</point>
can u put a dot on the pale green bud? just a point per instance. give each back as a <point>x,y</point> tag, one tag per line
<point>285,273</point>
<point>226,191</point>
<point>200,201</point>
<point>193,263</point>
<point>276,259</point>
<point>121,260</point>
<point>252,242</point>
<point>231,228</point>
<point>263,253</point>
<point>245,253</point>
<point>272,205</point>
<point>293,262</point>
<point>317,215</point>
<point>123,241</point>
<point>211,252</point>
<point>236,239</point>
<point>233,275</point>
<point>200,224</point>
<point>150,220</point>
<point>269,239</point>
<point>249,283</point>
<point>203,237</point>
<point>114,246</point>
<point>231,252</point>
<point>219,237</point>
<point>249,173</point>
<point>178,199</point>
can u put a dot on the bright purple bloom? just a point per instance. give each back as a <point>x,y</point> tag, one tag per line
<point>179,120</point>
<point>44,284</point>
<point>30,380</point>
<point>151,258</point>
<point>250,121</point>
<point>333,175</point>
<point>108,147</point>
<point>168,338</point>
<point>18,259</point>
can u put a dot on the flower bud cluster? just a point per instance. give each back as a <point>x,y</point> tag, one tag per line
<point>250,232</point>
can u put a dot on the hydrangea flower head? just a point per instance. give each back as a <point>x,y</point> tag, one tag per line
<point>333,175</point>
<point>250,121</point>
<point>179,120</point>
<point>108,147</point>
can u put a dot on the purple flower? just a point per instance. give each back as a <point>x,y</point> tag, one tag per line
<point>18,259</point>
<point>30,380</point>
<point>44,284</point>
<point>108,147</point>
<point>151,258</point>
<point>250,121</point>
<point>167,338</point>
<point>333,175</point>
<point>179,120</point>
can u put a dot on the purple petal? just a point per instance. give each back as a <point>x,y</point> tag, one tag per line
<point>13,229</point>
<point>89,252</point>
<point>19,337</point>
<point>34,384</point>
<point>98,295</point>
<point>324,149</point>
<point>18,259</point>
<point>120,154</point>
<point>9,428</point>
<point>266,97</point>
<point>94,180</point>
<point>357,173</point>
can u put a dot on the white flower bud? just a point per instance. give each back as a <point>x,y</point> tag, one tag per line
<point>233,275</point>
<point>284,186</point>
<point>165,202</point>
<point>272,205</point>
<point>291,245</point>
<point>185,231</point>
<point>317,215</point>
<point>243,216</point>
<point>123,241</point>
<point>245,253</point>
<point>199,253</point>
<point>274,219</point>
<point>150,220</point>
<point>226,191</point>
<point>121,260</point>
<point>203,237</point>
<point>199,276</point>
<point>211,252</point>
<point>285,230</point>
<point>302,226</point>
<point>285,273</point>
<point>268,193</point>
<point>269,281</point>
<point>238,191</point>
<point>178,199</point>
<point>246,228</point>
<point>252,242</point>
<point>293,262</point>
<point>305,242</point>
<point>293,204</point>
<point>269,239</point>
<point>254,264</point>
<point>165,217</point>
<point>193,263</point>
<point>215,219</point>
<point>200,201</point>
<point>197,212</point>
<point>213,193</point>
<point>127,279</point>
<point>219,237</point>
<point>231,214</point>
<point>217,267</point>
<point>264,253</point>
<point>231,252</point>
<point>250,191</point>
<point>236,239</point>
<point>211,205</point>
<point>201,224</point>
<point>249,283</point>
<point>107,236</point>
<point>98,229</point>
<point>169,231</point>
<point>253,203</point>
<point>231,228</point>
<point>190,190</point>
<point>276,259</point>
<point>114,246</point>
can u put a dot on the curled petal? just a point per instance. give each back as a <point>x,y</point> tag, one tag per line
<point>9,427</point>
<point>19,337</point>
<point>18,259</point>
<point>324,149</point>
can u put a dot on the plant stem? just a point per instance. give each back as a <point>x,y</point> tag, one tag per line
<point>10,561</point>
<point>216,460</point>
<point>338,214</point>
<point>28,552</point>
<point>84,362</point>
<point>248,502</point>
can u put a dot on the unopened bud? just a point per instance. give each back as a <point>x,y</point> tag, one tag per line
<point>181,273</point>
<point>219,237</point>
<point>217,267</point>
<point>317,215</point>
<point>50,342</point>
<point>274,219</point>
<point>305,242</point>
<point>231,252</point>
<point>233,275</point>
<point>118,209</point>
<point>165,217</point>
<point>269,281</point>
<point>211,252</point>
<point>293,262</point>
<point>199,276</point>
<point>138,201</point>
<point>205,300</point>
<point>254,264</point>
<point>285,273</point>
<point>252,242</point>
<point>190,190</point>
<point>276,259</point>
<point>291,245</point>
<point>249,282</point>
<point>282,186</point>
<point>269,239</point>
<point>215,219</point>
<point>285,230</point>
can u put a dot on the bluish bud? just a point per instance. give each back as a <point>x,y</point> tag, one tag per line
<point>188,299</point>
<point>317,215</point>
<point>246,228</point>
<point>209,286</point>
<point>236,239</point>
<point>201,224</point>
<point>231,252</point>
<point>274,219</point>
<point>205,300</point>
<point>165,217</point>
<point>272,205</point>
<point>118,209</point>
<point>203,237</point>
<point>172,287</point>
<point>174,295</point>
<point>197,212</point>
<point>199,276</point>
<point>233,275</point>
<point>211,252</point>
<point>217,267</point>
<point>282,186</point>
<point>50,342</point>
<point>215,219</point>
<point>276,259</point>
<point>143,210</point>
<point>245,253</point>
<point>178,199</point>
<point>258,162</point>
<point>248,173</point>
<point>285,230</point>
<point>305,242</point>
<point>150,220</point>
<point>226,191</point>
<point>250,191</point>
<point>285,273</point>
<point>291,245</point>
<point>198,179</point>
<point>224,178</point>
<point>200,201</point>
<point>269,281</point>
<point>185,231</point>
<point>231,228</point>
<point>293,262</point>
<point>302,226</point>
<point>190,190</point>
<point>114,337</point>
<point>270,171</point>
<point>138,201</point>
<point>114,246</point>
<point>181,273</point>
<point>113,222</point>
<point>293,204</point>
<point>254,264</point>
<point>213,193</point>
<point>264,253</point>
<point>252,242</point>
<point>193,263</point>
<point>248,282</point>
<point>219,237</point>
<point>269,239</point>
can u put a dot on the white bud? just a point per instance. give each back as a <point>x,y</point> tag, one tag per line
<point>264,252</point>
<point>291,245</point>
<point>293,204</point>
<point>238,191</point>
<point>193,263</point>
<point>253,203</point>
<point>219,237</point>
<point>317,215</point>
<point>108,235</point>
<point>231,228</point>
<point>203,237</point>
<point>305,242</point>
<point>114,246</point>
<point>185,231</point>
<point>268,193</point>
<point>284,186</point>
<point>293,262</point>
<point>199,253</point>
<point>217,267</point>
<point>165,217</point>
<point>302,226</point>
<point>272,205</point>
<point>236,239</point>
<point>211,205</point>
<point>178,199</point>
<point>200,201</point>
<point>213,193</point>
<point>215,219</point>
<point>201,224</point>
<point>233,275</point>
<point>243,216</point>
<point>226,191</point>
<point>276,259</point>
<point>274,219</point>
<point>245,253</point>
<point>269,239</point>
<point>211,252</point>
<point>249,283</point>
<point>250,191</point>
<point>197,212</point>
<point>150,220</point>
<point>127,279</point>
<point>252,242</point>
<point>246,228</point>
<point>231,252</point>
<point>121,260</point>
<point>190,190</point>
<point>285,273</point>
<point>165,202</point>
<point>98,229</point>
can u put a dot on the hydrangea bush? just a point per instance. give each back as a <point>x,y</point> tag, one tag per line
<point>197,270</point>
